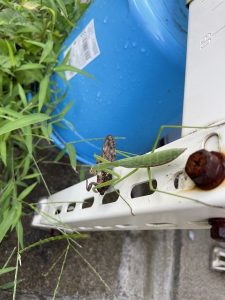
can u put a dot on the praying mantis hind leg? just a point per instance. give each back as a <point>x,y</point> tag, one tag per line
<point>163,127</point>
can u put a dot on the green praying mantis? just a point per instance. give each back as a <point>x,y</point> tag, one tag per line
<point>148,161</point>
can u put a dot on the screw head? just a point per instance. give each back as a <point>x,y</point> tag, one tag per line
<point>206,168</point>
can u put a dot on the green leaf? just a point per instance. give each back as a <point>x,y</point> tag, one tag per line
<point>11,54</point>
<point>19,230</point>
<point>28,139</point>
<point>1,83</point>
<point>26,191</point>
<point>3,152</point>
<point>18,212</point>
<point>27,77</point>
<point>32,176</point>
<point>9,285</point>
<point>52,12</point>
<point>66,109</point>
<point>23,122</point>
<point>8,219</point>
<point>60,155</point>
<point>47,50</point>
<point>72,155</point>
<point>63,68</point>
<point>30,5</point>
<point>7,192</point>
<point>10,112</point>
<point>44,85</point>
<point>22,95</point>
<point>50,129</point>
<point>41,45</point>
<point>6,270</point>
<point>26,165</point>
<point>44,129</point>
<point>30,66</point>
<point>62,7</point>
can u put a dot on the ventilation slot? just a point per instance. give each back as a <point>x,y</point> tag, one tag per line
<point>88,202</point>
<point>103,227</point>
<point>182,181</point>
<point>111,197</point>
<point>159,225</point>
<point>71,207</point>
<point>143,189</point>
<point>126,226</point>
<point>85,228</point>
<point>58,210</point>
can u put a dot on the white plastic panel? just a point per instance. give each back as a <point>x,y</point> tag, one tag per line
<point>205,68</point>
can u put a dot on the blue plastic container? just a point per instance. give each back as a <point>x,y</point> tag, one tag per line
<point>139,75</point>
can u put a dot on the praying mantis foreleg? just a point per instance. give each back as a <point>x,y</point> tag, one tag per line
<point>110,182</point>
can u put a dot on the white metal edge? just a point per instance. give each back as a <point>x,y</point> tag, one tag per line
<point>156,211</point>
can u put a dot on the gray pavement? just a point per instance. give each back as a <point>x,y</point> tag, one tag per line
<point>138,265</point>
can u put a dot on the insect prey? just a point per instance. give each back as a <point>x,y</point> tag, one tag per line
<point>109,154</point>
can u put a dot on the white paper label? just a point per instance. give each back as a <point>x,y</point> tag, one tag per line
<point>83,50</point>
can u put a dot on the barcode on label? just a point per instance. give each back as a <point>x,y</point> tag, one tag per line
<point>83,50</point>
<point>86,49</point>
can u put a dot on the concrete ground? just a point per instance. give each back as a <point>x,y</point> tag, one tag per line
<point>141,265</point>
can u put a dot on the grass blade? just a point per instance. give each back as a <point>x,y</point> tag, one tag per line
<point>47,50</point>
<point>61,271</point>
<point>9,285</point>
<point>62,7</point>
<point>11,54</point>
<point>63,68</point>
<point>30,66</point>
<point>26,192</point>
<point>7,192</point>
<point>72,155</point>
<point>43,92</point>
<point>23,122</point>
<point>55,238</point>
<point>6,270</point>
<point>41,45</point>
<point>19,231</point>
<point>28,138</point>
<point>22,95</point>
<point>8,219</point>
<point>3,152</point>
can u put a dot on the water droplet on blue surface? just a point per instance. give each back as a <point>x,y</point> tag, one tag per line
<point>126,45</point>
<point>98,94</point>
